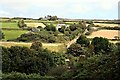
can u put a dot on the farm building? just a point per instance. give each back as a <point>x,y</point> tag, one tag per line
<point>60,25</point>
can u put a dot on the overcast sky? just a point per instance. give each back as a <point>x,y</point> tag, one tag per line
<point>80,9</point>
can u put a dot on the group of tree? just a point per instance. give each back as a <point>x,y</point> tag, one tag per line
<point>49,17</point>
<point>43,36</point>
<point>103,64</point>
<point>30,60</point>
<point>97,45</point>
<point>101,59</point>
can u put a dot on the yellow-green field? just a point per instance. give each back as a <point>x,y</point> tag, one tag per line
<point>13,34</point>
<point>106,24</point>
<point>35,24</point>
<point>57,47</point>
<point>8,25</point>
<point>110,34</point>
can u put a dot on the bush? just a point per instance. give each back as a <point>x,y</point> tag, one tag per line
<point>25,60</point>
<point>83,41</point>
<point>100,44</point>
<point>23,76</point>
<point>100,67</point>
<point>36,45</point>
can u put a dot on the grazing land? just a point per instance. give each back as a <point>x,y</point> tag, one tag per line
<point>35,24</point>
<point>106,24</point>
<point>57,47</point>
<point>110,34</point>
<point>9,25</point>
<point>13,34</point>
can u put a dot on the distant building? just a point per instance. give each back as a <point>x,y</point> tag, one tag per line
<point>47,17</point>
<point>60,25</point>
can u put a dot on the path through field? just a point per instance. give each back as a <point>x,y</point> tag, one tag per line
<point>72,41</point>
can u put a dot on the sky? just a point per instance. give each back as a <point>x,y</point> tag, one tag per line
<point>74,9</point>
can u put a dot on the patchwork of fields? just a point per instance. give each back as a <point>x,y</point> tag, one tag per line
<point>57,47</point>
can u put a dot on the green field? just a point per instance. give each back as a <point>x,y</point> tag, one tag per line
<point>9,25</point>
<point>13,34</point>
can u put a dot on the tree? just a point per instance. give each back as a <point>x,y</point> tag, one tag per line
<point>25,60</point>
<point>21,24</point>
<point>50,27</point>
<point>73,27</point>
<point>100,44</point>
<point>83,40</point>
<point>53,18</point>
<point>75,50</point>
<point>36,45</point>
<point>2,36</point>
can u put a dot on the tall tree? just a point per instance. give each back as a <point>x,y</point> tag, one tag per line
<point>21,24</point>
<point>83,40</point>
<point>100,44</point>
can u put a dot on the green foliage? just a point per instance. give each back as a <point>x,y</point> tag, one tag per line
<point>25,60</point>
<point>73,27</point>
<point>50,27</point>
<point>53,18</point>
<point>83,41</point>
<point>22,76</point>
<point>21,24</point>
<point>57,71</point>
<point>59,58</point>
<point>43,36</point>
<point>100,44</point>
<point>2,36</point>
<point>36,45</point>
<point>75,50</point>
<point>99,66</point>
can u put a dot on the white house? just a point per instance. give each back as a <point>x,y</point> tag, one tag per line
<point>60,25</point>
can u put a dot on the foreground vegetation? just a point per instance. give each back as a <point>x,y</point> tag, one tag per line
<point>92,61</point>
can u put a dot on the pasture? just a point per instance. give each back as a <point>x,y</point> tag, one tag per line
<point>31,24</point>
<point>9,25</point>
<point>57,47</point>
<point>106,24</point>
<point>13,34</point>
<point>110,34</point>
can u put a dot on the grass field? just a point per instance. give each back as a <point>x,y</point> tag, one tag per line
<point>35,24</point>
<point>110,34</point>
<point>13,34</point>
<point>106,25</point>
<point>57,47</point>
<point>9,25</point>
